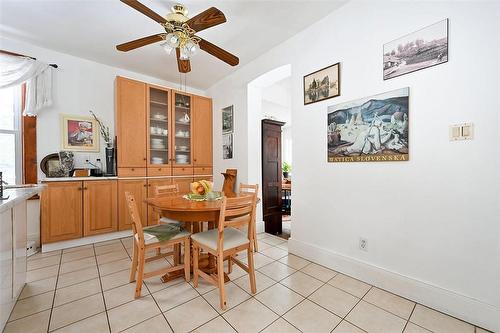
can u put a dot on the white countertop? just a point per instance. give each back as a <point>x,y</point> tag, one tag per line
<point>75,179</point>
<point>17,195</point>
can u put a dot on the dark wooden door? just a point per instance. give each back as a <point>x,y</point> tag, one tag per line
<point>271,175</point>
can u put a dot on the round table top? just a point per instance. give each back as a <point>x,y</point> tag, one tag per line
<point>179,204</point>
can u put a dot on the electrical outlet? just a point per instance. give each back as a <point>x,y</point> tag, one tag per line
<point>363,244</point>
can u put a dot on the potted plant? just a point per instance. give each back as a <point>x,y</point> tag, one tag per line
<point>286,168</point>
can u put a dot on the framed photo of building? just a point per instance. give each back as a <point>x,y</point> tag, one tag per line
<point>79,133</point>
<point>227,146</point>
<point>322,84</point>
<point>227,120</point>
<point>421,49</point>
<point>370,129</point>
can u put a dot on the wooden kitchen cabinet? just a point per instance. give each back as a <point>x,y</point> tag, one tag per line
<point>99,207</point>
<point>202,132</point>
<point>138,188</point>
<point>62,211</point>
<point>131,129</point>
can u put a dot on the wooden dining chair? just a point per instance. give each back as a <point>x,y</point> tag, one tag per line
<point>254,189</point>
<point>225,241</point>
<point>145,239</point>
<point>166,191</point>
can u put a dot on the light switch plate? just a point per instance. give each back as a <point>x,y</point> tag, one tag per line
<point>463,131</point>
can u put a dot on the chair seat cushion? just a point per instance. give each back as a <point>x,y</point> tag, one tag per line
<point>163,233</point>
<point>232,238</point>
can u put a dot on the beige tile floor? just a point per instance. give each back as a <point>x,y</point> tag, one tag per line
<point>86,289</point>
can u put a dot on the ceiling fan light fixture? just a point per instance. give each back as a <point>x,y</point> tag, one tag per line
<point>173,40</point>
<point>191,47</point>
<point>184,55</point>
<point>166,46</point>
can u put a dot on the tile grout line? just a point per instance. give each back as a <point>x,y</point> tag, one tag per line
<point>55,291</point>
<point>102,291</point>
<point>150,293</point>
<point>408,320</point>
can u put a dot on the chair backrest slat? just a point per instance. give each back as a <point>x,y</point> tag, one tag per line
<point>134,216</point>
<point>236,212</point>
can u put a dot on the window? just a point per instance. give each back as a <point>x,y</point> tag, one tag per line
<point>10,135</point>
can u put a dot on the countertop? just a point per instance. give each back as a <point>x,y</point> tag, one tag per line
<point>17,195</point>
<point>75,179</point>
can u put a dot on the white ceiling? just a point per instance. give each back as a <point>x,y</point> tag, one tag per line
<point>91,29</point>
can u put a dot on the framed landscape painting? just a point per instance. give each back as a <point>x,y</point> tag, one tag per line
<point>421,49</point>
<point>79,133</point>
<point>322,84</point>
<point>371,129</point>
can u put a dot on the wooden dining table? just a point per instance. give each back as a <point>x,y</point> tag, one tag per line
<point>191,213</point>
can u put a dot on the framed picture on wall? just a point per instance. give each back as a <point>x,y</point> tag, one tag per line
<point>421,49</point>
<point>370,129</point>
<point>79,133</point>
<point>227,120</point>
<point>227,146</point>
<point>322,84</point>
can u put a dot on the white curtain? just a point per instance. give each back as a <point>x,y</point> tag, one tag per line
<point>15,70</point>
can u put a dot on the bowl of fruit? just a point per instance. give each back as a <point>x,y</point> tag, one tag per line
<point>202,190</point>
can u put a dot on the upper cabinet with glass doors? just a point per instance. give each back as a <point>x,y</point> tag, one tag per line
<point>158,130</point>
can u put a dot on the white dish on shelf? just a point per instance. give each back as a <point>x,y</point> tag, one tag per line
<point>159,116</point>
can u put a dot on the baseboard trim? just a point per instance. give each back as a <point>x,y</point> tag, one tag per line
<point>85,241</point>
<point>260,226</point>
<point>457,305</point>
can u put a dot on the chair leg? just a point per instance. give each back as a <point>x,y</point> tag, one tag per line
<point>133,269</point>
<point>195,265</point>
<point>187,257</point>
<point>251,271</point>
<point>177,254</point>
<point>220,281</point>
<point>158,251</point>
<point>140,273</point>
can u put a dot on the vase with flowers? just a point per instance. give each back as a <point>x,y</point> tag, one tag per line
<point>110,150</point>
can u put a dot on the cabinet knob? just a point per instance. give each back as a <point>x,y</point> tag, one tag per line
<point>85,188</point>
<point>132,169</point>
<point>159,169</point>
<point>144,158</point>
<point>79,189</point>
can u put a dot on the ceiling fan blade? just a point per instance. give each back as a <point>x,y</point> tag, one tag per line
<point>183,65</point>
<point>139,42</point>
<point>145,10</point>
<point>209,18</point>
<point>219,53</point>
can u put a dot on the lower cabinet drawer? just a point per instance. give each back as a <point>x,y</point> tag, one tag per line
<point>182,171</point>
<point>131,172</point>
<point>160,171</point>
<point>203,171</point>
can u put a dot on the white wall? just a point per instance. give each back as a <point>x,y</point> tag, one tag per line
<point>433,223</point>
<point>79,85</point>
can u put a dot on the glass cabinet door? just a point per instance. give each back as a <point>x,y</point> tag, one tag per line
<point>182,129</point>
<point>158,127</point>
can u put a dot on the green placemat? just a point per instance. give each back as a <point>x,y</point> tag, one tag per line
<point>205,197</point>
<point>164,232</point>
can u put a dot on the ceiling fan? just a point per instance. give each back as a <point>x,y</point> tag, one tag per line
<point>180,34</point>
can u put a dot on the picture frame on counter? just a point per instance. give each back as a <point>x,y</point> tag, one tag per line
<point>79,133</point>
